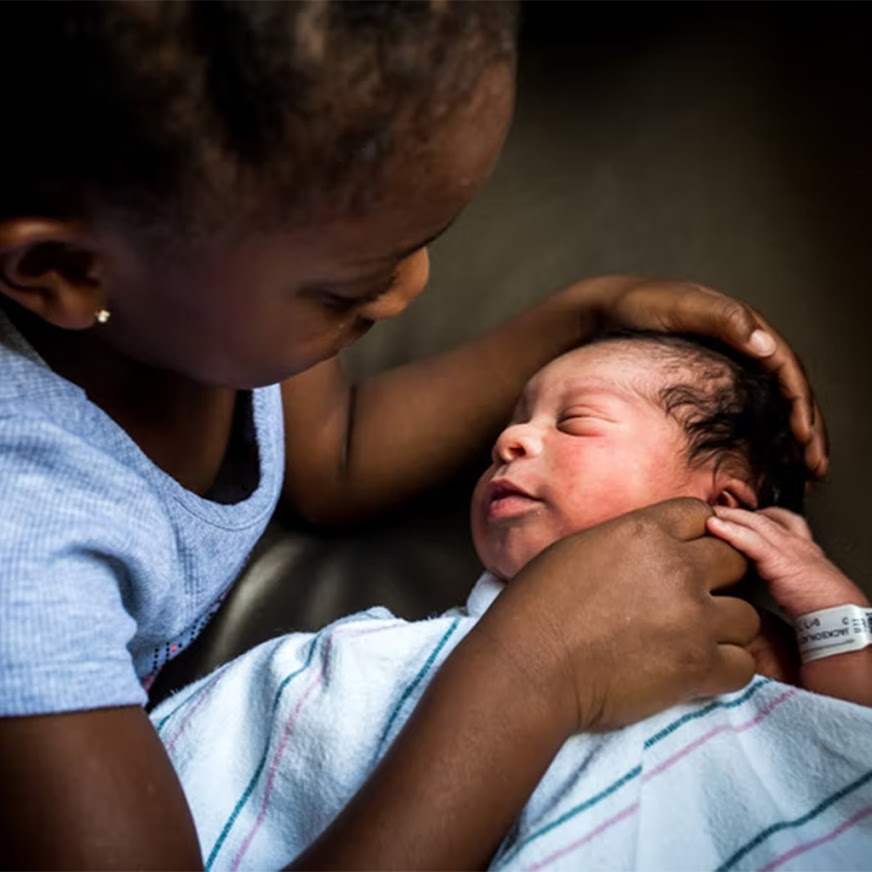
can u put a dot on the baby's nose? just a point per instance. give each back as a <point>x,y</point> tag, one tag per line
<point>516,441</point>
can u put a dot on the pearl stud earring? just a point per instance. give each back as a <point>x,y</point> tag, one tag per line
<point>102,316</point>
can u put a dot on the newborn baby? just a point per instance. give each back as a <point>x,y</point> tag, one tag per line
<point>628,421</point>
<point>271,746</point>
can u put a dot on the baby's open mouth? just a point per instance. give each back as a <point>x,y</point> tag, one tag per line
<point>506,500</point>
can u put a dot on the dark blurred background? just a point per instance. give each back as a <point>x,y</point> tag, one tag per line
<point>729,143</point>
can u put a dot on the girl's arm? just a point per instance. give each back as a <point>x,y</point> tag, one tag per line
<point>602,629</point>
<point>801,580</point>
<point>91,790</point>
<point>351,450</point>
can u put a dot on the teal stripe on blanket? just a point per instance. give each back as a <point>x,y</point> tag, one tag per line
<point>205,688</point>
<point>325,635</point>
<point>416,681</point>
<point>701,713</point>
<point>225,831</point>
<point>797,822</point>
<point>631,774</point>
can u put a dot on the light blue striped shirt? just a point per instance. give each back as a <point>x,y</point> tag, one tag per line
<point>108,566</point>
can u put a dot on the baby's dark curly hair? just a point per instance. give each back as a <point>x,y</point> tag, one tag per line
<point>733,412</point>
<point>169,113</point>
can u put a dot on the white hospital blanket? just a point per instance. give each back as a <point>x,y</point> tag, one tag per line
<point>270,747</point>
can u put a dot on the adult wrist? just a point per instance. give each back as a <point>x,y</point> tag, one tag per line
<point>532,667</point>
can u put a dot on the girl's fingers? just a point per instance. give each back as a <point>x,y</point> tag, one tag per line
<point>736,622</point>
<point>733,669</point>
<point>817,451</point>
<point>806,420</point>
<point>738,324</point>
<point>693,308</point>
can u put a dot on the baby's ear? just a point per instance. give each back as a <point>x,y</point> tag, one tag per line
<point>50,268</point>
<point>732,491</point>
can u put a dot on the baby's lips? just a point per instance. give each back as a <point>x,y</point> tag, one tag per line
<point>500,488</point>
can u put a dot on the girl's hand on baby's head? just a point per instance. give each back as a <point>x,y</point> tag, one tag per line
<point>687,307</point>
<point>794,567</point>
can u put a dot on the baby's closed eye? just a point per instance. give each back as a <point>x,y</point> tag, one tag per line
<point>582,421</point>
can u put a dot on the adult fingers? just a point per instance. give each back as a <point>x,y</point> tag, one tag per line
<point>806,420</point>
<point>741,326</point>
<point>682,517</point>
<point>736,622</point>
<point>732,669</point>
<point>719,563</point>
<point>817,452</point>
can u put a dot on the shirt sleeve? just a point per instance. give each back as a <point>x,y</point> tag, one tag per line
<point>65,513</point>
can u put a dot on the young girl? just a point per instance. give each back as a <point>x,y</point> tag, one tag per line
<point>199,202</point>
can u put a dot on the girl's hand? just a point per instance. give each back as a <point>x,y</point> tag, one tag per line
<point>677,306</point>
<point>797,572</point>
<point>616,623</point>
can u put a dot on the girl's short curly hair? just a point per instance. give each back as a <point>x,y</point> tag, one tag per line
<point>169,112</point>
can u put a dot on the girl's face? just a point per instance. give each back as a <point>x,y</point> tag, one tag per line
<point>275,305</point>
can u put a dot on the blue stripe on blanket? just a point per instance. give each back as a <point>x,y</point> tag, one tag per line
<point>512,850</point>
<point>246,794</point>
<point>206,687</point>
<point>701,713</point>
<point>410,689</point>
<point>796,822</point>
<point>225,831</point>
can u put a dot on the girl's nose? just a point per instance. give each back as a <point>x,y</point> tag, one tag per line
<point>412,276</point>
<point>516,441</point>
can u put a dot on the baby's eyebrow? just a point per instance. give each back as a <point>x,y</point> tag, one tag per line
<point>573,392</point>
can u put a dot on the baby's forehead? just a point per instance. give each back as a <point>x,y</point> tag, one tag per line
<point>625,369</point>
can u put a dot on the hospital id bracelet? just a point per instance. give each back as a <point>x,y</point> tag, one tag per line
<point>833,631</point>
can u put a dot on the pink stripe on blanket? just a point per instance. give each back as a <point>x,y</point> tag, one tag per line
<point>662,767</point>
<point>314,684</point>
<point>205,693</point>
<point>814,843</point>
<point>573,846</point>
<point>728,728</point>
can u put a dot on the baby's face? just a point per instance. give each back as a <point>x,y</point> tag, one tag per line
<point>587,442</point>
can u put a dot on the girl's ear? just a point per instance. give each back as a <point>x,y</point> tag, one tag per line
<point>52,269</point>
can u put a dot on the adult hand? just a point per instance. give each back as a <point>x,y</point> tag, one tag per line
<point>687,307</point>
<point>618,622</point>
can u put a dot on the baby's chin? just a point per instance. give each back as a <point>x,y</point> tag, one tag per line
<point>505,566</point>
<point>504,550</point>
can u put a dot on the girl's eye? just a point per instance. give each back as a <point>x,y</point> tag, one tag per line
<point>341,302</point>
<point>336,302</point>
